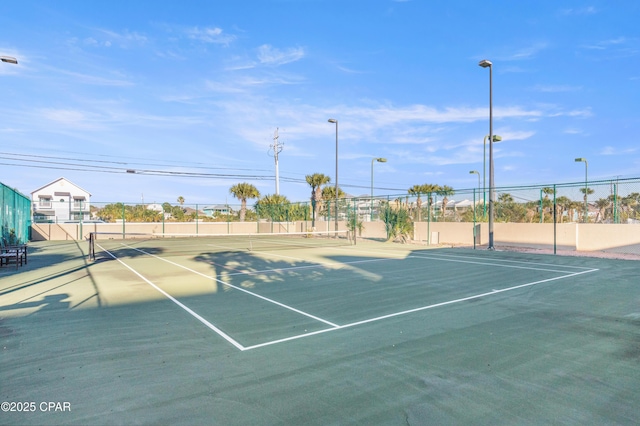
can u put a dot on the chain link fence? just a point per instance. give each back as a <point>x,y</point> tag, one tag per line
<point>567,216</point>
<point>15,216</point>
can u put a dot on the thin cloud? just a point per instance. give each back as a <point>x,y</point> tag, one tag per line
<point>606,44</point>
<point>97,81</point>
<point>212,35</point>
<point>446,115</point>
<point>72,118</point>
<point>349,70</point>
<point>125,39</point>
<point>610,150</point>
<point>589,10</point>
<point>516,135</point>
<point>555,89</point>
<point>269,55</point>
<point>526,52</point>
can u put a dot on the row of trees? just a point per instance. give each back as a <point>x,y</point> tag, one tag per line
<point>507,209</point>
<point>319,196</point>
<point>609,209</point>
<point>279,208</point>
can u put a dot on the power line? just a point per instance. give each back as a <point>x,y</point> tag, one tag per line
<point>101,166</point>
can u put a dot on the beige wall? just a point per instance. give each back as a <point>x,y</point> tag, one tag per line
<point>534,234</point>
<point>572,236</point>
<point>448,232</point>
<point>74,231</point>
<point>591,236</point>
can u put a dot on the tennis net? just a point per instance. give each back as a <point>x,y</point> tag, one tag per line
<point>104,245</point>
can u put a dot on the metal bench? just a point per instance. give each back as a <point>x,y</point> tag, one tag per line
<point>13,253</point>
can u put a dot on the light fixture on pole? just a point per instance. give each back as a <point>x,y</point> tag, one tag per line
<point>333,120</point>
<point>379,160</point>
<point>487,64</point>
<point>475,172</point>
<point>586,188</point>
<point>8,59</point>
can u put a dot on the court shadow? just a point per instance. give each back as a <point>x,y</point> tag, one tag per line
<point>248,270</point>
<point>49,303</point>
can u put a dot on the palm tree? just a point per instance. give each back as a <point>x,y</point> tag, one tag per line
<point>243,191</point>
<point>630,204</point>
<point>275,206</point>
<point>429,189</point>
<point>445,191</point>
<point>586,192</point>
<point>329,195</point>
<point>316,180</point>
<point>505,198</point>
<point>573,208</point>
<point>602,205</point>
<point>417,190</point>
<point>181,200</point>
<point>563,203</point>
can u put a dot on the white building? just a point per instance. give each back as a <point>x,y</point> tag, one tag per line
<point>60,201</point>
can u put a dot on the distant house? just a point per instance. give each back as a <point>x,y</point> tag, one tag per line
<point>60,201</point>
<point>155,207</point>
<point>221,209</point>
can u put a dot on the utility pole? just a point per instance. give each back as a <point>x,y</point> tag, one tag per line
<point>277,149</point>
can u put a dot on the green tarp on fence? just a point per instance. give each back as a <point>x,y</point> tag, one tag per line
<point>15,215</point>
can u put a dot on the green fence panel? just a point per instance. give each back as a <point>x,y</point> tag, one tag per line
<point>15,216</point>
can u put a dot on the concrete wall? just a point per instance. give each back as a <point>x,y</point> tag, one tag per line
<point>76,231</point>
<point>447,232</point>
<point>569,236</point>
<point>592,236</point>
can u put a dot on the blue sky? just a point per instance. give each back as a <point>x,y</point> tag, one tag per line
<point>190,93</point>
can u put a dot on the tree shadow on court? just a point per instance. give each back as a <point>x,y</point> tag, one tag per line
<point>247,270</point>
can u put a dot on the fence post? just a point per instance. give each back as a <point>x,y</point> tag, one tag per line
<point>541,208</point>
<point>615,204</point>
<point>79,237</point>
<point>429,219</point>
<point>474,218</point>
<point>355,222</point>
<point>554,219</point>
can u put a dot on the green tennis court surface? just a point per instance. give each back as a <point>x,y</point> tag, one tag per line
<point>218,332</point>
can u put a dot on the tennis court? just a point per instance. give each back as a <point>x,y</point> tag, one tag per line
<point>317,331</point>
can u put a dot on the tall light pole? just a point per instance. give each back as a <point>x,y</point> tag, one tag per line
<point>379,160</point>
<point>277,149</point>
<point>495,138</point>
<point>487,64</point>
<point>333,120</point>
<point>586,188</point>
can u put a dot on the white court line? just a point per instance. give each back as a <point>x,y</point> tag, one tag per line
<point>497,265</point>
<point>409,311</point>
<point>282,305</point>
<point>507,260</point>
<point>177,302</point>
<point>419,253</point>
